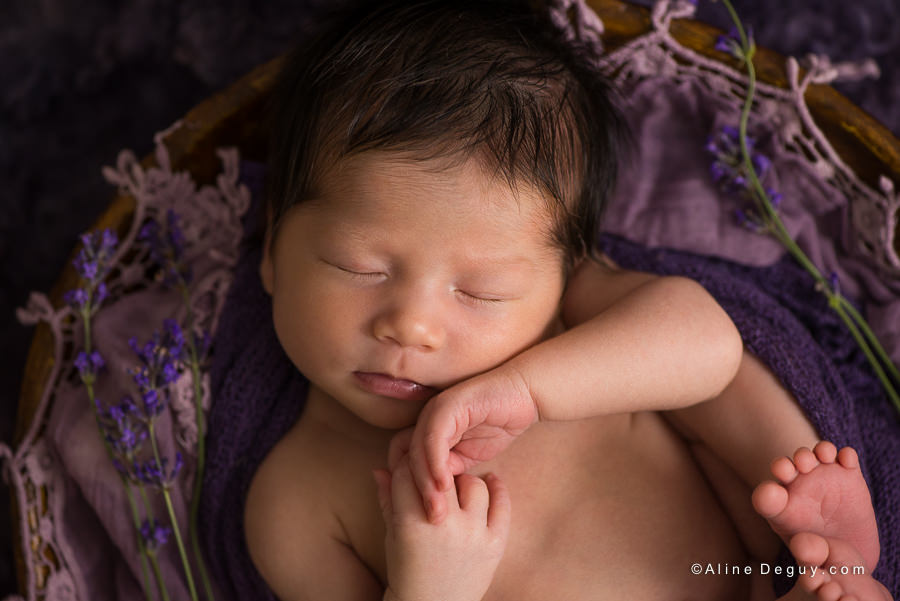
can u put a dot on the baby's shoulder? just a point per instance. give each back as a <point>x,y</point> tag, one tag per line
<point>286,523</point>
<point>279,506</point>
<point>597,284</point>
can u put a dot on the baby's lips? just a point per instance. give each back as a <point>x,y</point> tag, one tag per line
<point>397,388</point>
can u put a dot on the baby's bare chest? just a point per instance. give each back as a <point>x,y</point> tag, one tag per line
<point>610,507</point>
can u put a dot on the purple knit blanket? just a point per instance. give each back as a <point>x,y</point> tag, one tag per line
<point>258,394</point>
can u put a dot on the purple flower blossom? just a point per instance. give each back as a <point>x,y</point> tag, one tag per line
<point>89,365</point>
<point>154,535</point>
<point>123,430</point>
<point>761,163</point>
<point>154,473</point>
<point>167,244</point>
<point>101,293</point>
<point>731,42</point>
<point>719,171</point>
<point>725,44</point>
<point>161,358</point>
<point>169,373</point>
<point>152,403</point>
<point>835,283</point>
<point>92,263</point>
<point>174,339</point>
<point>77,298</point>
<point>732,175</point>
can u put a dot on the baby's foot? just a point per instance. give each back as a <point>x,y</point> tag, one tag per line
<point>839,575</point>
<point>822,492</point>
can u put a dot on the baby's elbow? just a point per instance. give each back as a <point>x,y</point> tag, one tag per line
<point>718,342</point>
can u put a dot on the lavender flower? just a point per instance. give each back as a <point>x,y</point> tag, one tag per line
<point>161,358</point>
<point>727,44</point>
<point>89,365</point>
<point>77,298</point>
<point>730,172</point>
<point>154,473</point>
<point>123,429</point>
<point>166,243</point>
<point>835,283</point>
<point>730,43</point>
<point>92,263</point>
<point>154,534</point>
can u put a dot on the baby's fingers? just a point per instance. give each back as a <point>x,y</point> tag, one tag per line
<point>405,500</point>
<point>436,436</point>
<point>473,494</point>
<point>500,509</point>
<point>383,488</point>
<point>433,500</point>
<point>399,447</point>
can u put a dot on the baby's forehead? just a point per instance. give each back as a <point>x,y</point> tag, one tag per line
<point>355,188</point>
<point>378,170</point>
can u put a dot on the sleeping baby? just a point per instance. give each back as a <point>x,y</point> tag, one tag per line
<point>495,409</point>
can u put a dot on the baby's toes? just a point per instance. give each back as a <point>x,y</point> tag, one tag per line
<point>784,470</point>
<point>825,451</point>
<point>811,550</point>
<point>848,458</point>
<point>832,591</point>
<point>805,460</point>
<point>769,499</point>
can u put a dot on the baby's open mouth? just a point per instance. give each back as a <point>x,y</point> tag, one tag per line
<point>397,388</point>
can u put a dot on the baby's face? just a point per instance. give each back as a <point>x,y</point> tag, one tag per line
<point>406,278</point>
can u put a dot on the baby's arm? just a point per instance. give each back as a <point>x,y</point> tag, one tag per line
<point>451,561</point>
<point>296,541</point>
<point>300,546</point>
<point>634,342</point>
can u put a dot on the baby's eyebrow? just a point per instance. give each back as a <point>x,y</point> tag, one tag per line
<point>492,262</point>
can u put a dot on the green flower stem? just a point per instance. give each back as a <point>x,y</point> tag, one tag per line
<point>867,332</point>
<point>860,340</point>
<point>201,444</point>
<point>148,510</point>
<point>159,578</point>
<point>135,516</point>
<point>857,325</point>
<point>142,549</point>
<point>175,529</point>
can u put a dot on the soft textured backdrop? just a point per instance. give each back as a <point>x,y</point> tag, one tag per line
<point>80,80</point>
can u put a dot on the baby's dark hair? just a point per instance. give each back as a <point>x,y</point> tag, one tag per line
<point>491,80</point>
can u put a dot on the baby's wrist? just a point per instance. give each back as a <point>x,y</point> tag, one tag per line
<point>524,394</point>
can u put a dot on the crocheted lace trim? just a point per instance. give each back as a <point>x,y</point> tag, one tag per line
<point>211,218</point>
<point>873,213</point>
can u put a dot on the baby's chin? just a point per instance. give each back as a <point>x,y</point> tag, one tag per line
<point>391,420</point>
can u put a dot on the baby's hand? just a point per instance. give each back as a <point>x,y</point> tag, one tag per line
<point>452,561</point>
<point>464,425</point>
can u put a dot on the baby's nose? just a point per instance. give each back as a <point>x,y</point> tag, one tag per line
<point>411,323</point>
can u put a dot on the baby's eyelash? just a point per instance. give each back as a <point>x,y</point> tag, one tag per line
<point>479,299</point>
<point>353,273</point>
<point>360,274</point>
